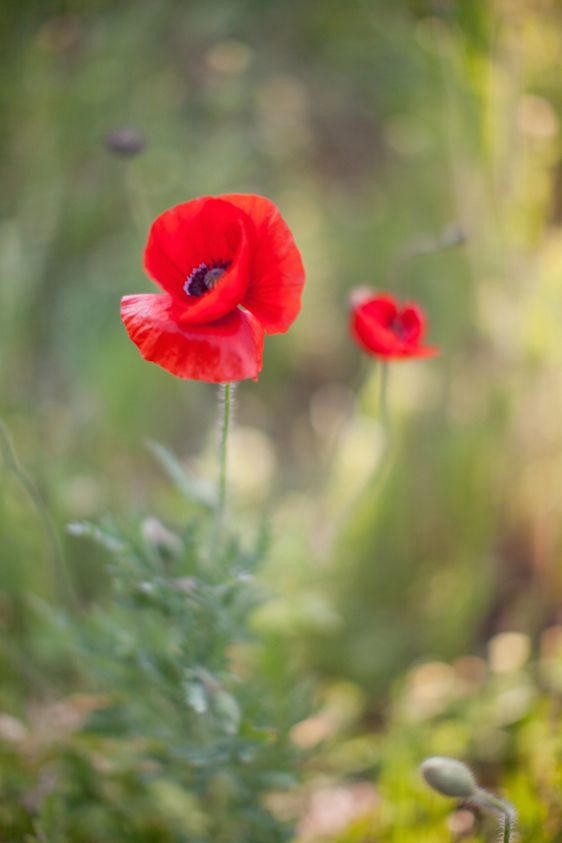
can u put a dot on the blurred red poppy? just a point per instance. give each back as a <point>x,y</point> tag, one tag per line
<point>231,272</point>
<point>385,329</point>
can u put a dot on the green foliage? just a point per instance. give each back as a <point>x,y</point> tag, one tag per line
<point>185,718</point>
<point>500,715</point>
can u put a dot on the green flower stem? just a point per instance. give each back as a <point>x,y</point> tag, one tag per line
<point>137,198</point>
<point>449,238</point>
<point>383,394</point>
<point>506,811</point>
<point>507,830</point>
<point>226,401</point>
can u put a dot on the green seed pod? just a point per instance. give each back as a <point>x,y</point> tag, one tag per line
<point>449,777</point>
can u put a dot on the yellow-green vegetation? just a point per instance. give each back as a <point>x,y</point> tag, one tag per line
<point>499,713</point>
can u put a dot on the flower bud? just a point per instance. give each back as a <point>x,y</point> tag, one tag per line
<point>449,777</point>
<point>126,142</point>
<point>162,540</point>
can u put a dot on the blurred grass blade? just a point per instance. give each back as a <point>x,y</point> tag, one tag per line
<point>192,488</point>
<point>11,461</point>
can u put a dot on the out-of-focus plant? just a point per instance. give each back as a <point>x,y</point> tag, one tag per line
<point>194,715</point>
<point>499,712</point>
<point>185,725</point>
<point>452,778</point>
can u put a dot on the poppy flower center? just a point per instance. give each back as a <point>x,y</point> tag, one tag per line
<point>204,277</point>
<point>397,328</point>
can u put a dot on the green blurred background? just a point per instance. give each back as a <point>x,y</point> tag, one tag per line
<point>373,126</point>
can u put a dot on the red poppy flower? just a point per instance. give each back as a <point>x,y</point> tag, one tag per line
<point>231,272</point>
<point>385,329</point>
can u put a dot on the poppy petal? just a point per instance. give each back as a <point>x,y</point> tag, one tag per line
<point>413,323</point>
<point>382,309</point>
<point>370,324</point>
<point>205,232</point>
<point>373,337</point>
<point>277,272</point>
<point>229,349</point>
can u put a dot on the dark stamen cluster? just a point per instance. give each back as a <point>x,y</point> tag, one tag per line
<point>397,328</point>
<point>204,277</point>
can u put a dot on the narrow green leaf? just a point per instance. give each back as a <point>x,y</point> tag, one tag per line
<point>193,488</point>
